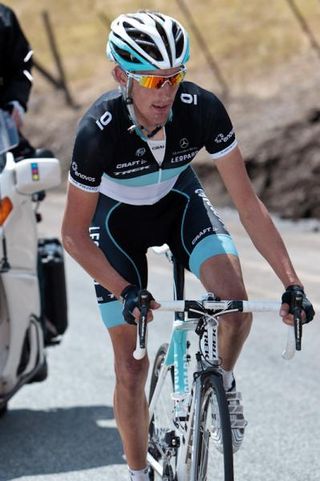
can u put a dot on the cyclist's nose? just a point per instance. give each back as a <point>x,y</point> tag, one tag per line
<point>167,85</point>
<point>167,90</point>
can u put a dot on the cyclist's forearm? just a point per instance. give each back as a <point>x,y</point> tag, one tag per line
<point>92,259</point>
<point>269,243</point>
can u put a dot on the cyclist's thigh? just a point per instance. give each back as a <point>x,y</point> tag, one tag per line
<point>222,275</point>
<point>112,231</point>
<point>201,233</point>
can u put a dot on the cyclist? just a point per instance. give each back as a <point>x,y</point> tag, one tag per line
<point>15,73</point>
<point>131,186</point>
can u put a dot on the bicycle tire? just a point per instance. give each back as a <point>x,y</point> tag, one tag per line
<point>211,465</point>
<point>161,421</point>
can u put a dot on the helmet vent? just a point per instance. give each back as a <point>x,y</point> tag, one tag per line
<point>179,39</point>
<point>144,41</point>
<point>164,38</point>
<point>123,53</point>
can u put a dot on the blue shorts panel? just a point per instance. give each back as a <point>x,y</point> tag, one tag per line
<point>111,314</point>
<point>210,246</point>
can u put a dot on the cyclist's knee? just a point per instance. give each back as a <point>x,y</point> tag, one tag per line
<point>236,323</point>
<point>131,375</point>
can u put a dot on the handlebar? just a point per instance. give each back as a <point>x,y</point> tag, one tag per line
<point>219,307</point>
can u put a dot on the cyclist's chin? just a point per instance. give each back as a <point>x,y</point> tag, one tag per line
<point>160,114</point>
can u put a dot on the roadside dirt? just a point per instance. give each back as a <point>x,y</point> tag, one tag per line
<point>284,168</point>
<point>277,121</point>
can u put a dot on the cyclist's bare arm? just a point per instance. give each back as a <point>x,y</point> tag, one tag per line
<point>80,208</point>
<point>256,220</point>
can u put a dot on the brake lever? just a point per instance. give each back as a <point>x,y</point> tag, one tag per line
<point>144,304</point>
<point>296,311</point>
<point>144,301</point>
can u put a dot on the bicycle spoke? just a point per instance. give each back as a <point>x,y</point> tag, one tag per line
<point>162,429</point>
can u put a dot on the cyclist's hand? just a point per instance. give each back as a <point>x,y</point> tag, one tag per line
<point>131,312</point>
<point>288,304</point>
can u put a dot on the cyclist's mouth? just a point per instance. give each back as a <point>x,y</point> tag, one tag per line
<point>161,108</point>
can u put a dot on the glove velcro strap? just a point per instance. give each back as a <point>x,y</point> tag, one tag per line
<point>126,291</point>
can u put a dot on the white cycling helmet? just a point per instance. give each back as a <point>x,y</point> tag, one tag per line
<point>147,41</point>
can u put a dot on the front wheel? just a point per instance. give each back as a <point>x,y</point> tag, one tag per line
<point>212,450</point>
<point>161,429</point>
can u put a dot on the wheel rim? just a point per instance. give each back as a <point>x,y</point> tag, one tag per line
<point>211,462</point>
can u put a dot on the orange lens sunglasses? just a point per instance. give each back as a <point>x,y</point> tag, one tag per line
<point>158,81</point>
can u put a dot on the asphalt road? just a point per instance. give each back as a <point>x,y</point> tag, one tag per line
<point>63,429</point>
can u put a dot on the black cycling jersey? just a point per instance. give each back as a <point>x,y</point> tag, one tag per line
<point>15,60</point>
<point>109,158</point>
<point>148,199</point>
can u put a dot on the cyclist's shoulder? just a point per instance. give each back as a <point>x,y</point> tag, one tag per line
<point>101,113</point>
<point>8,19</point>
<point>110,101</point>
<point>5,12</point>
<point>193,94</point>
<point>195,88</point>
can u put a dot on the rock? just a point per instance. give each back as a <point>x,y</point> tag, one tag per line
<point>285,170</point>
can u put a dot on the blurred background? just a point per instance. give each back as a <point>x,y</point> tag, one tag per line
<point>261,58</point>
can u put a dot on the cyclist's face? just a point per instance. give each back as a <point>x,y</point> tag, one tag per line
<point>152,105</point>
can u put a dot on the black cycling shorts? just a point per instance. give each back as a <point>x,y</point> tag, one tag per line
<point>184,219</point>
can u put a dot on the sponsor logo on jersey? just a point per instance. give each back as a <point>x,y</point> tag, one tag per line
<point>183,157</point>
<point>94,233</point>
<point>140,152</point>
<point>157,147</point>
<point>223,138</point>
<point>201,234</point>
<point>184,143</point>
<point>133,163</point>
<point>207,203</point>
<point>74,167</point>
<point>132,171</point>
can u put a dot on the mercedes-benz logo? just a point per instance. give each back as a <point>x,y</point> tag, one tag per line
<point>184,143</point>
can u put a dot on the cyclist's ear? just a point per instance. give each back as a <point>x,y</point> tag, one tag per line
<point>119,75</point>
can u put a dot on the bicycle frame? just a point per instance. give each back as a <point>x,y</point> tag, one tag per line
<point>177,357</point>
<point>185,399</point>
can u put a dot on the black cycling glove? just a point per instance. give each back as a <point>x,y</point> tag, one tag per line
<point>289,298</point>
<point>130,296</point>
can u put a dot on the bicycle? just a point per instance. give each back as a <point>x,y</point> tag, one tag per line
<point>183,420</point>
